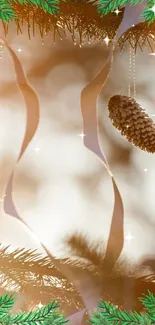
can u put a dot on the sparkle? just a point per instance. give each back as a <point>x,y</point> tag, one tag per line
<point>117,11</point>
<point>82,135</point>
<point>145,170</point>
<point>153,9</point>
<point>106,39</point>
<point>129,237</point>
<point>40,305</point>
<point>19,50</point>
<point>37,149</point>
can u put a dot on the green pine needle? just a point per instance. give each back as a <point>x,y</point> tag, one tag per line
<point>6,303</point>
<point>115,316</point>
<point>50,6</point>
<point>56,319</point>
<point>7,14</point>
<point>53,7</point>
<point>106,6</point>
<point>98,319</point>
<point>149,303</point>
<point>6,11</point>
<point>47,315</point>
<point>37,317</point>
<point>106,314</point>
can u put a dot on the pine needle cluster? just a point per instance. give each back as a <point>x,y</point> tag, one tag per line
<point>7,13</point>
<point>109,314</point>
<point>106,6</point>
<point>52,7</point>
<point>47,315</point>
<point>105,315</point>
<point>83,18</point>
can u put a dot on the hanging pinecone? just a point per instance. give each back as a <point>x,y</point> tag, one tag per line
<point>135,125</point>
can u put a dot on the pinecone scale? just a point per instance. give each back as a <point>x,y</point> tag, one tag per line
<point>132,121</point>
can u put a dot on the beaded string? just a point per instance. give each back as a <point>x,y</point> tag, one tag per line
<point>1,51</point>
<point>132,71</point>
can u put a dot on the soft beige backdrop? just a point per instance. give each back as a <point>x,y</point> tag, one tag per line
<point>62,188</point>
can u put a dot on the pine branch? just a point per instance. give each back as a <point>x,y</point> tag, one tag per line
<point>80,247</point>
<point>6,303</point>
<point>149,303</point>
<point>6,11</point>
<point>27,261</point>
<point>36,317</point>
<point>112,314</point>
<point>47,315</point>
<point>50,6</point>
<point>36,278</point>
<point>98,319</point>
<point>55,319</point>
<point>106,6</point>
<point>149,13</point>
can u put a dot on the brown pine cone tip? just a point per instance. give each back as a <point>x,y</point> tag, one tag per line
<point>132,121</point>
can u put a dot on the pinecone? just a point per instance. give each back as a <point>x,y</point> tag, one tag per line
<point>135,125</point>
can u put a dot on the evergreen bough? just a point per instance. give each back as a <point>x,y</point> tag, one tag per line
<point>104,7</point>
<point>109,314</point>
<point>47,315</point>
<point>106,314</point>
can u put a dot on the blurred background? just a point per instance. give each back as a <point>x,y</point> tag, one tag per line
<point>60,188</point>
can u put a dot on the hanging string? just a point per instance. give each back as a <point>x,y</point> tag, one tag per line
<point>134,72</point>
<point>1,51</point>
<point>130,71</point>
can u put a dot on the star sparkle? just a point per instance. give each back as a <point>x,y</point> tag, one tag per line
<point>37,149</point>
<point>106,40</point>
<point>82,135</point>
<point>40,305</point>
<point>117,11</point>
<point>129,237</point>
